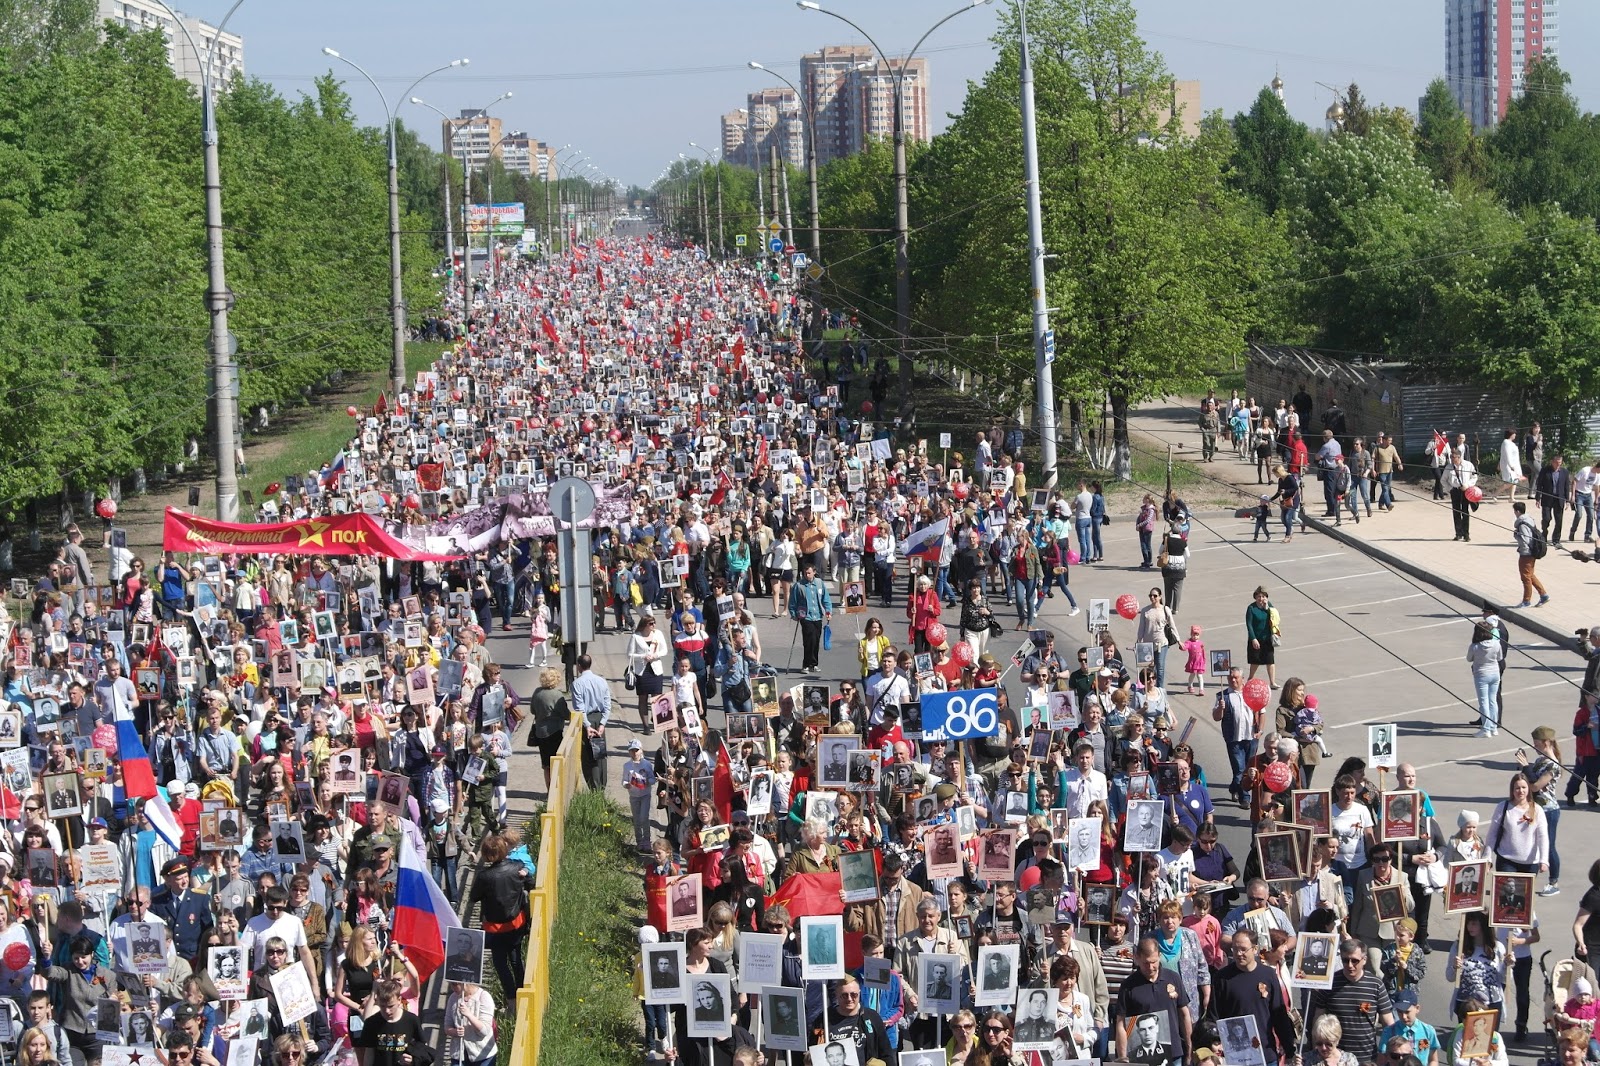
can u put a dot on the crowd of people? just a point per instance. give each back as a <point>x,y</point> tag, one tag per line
<point>824,876</point>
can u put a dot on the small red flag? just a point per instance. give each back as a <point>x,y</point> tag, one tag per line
<point>627,301</point>
<point>600,277</point>
<point>549,329</point>
<point>649,260</point>
<point>724,483</point>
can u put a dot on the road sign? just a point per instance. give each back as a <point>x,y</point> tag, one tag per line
<point>572,499</point>
<point>814,271</point>
<point>774,227</point>
<point>799,260</point>
<point>739,240</point>
<point>1049,346</point>
<point>775,246</point>
<point>970,712</point>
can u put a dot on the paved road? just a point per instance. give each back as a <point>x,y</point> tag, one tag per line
<point>1372,644</point>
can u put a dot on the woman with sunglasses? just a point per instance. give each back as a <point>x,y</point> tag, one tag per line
<point>994,1042</point>
<point>963,1047</point>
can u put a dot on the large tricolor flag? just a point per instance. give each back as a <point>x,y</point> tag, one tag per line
<point>139,780</point>
<point>421,913</point>
<point>927,542</point>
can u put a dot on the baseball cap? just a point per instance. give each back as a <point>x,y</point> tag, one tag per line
<point>945,791</point>
<point>191,790</point>
<point>739,817</point>
<point>1105,671</point>
<point>185,1012</point>
<point>635,745</point>
<point>1406,997</point>
<point>101,822</point>
<point>381,845</point>
<point>437,751</point>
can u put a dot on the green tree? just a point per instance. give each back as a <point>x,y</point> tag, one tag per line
<point>1545,151</point>
<point>1446,144</point>
<point>1269,145</point>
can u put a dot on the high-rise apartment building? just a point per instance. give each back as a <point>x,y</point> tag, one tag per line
<point>850,95</point>
<point>772,119</point>
<point>1487,46</point>
<point>733,134</point>
<point>475,134</point>
<point>140,15</point>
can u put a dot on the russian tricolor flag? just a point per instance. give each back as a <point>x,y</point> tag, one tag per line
<point>421,913</point>
<point>927,542</point>
<point>139,780</point>
<point>331,478</point>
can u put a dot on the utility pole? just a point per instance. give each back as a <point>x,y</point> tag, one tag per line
<point>449,227</point>
<point>1043,337</point>
<point>222,344</point>
<point>761,210</point>
<point>772,185</point>
<point>788,220</point>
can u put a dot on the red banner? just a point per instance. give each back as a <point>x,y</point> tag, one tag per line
<point>345,534</point>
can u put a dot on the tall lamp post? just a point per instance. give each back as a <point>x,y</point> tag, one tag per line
<point>1044,352</point>
<point>811,154</point>
<point>722,250</point>
<point>225,384</point>
<point>902,255</point>
<point>466,194</point>
<point>561,210</point>
<point>397,300</point>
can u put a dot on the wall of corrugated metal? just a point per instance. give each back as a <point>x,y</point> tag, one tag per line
<point>1452,409</point>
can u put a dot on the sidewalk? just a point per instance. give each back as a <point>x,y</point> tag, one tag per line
<point>1415,537</point>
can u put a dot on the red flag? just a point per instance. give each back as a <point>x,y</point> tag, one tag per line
<point>600,277</point>
<point>722,784</point>
<point>627,301</point>
<point>724,483</point>
<point>549,329</point>
<point>649,260</point>
<point>718,283</point>
<point>382,405</point>
<point>805,895</point>
<point>677,336</point>
<point>738,352</point>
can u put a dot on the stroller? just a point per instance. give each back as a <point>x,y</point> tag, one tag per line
<point>1558,981</point>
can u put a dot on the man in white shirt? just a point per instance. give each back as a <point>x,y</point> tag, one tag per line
<point>887,688</point>
<point>1583,486</point>
<point>1085,784</point>
<point>114,692</point>
<point>277,921</point>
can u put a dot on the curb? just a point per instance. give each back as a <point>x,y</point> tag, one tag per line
<point>1527,619</point>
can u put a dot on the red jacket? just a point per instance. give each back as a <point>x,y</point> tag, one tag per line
<point>923,610</point>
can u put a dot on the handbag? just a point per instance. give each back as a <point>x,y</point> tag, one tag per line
<point>1169,631</point>
<point>995,628</point>
<point>628,678</point>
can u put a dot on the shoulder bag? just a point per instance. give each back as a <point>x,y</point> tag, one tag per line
<point>1169,630</point>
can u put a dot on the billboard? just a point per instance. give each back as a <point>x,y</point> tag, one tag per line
<point>509,219</point>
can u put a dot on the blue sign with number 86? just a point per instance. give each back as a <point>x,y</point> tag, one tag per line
<point>968,712</point>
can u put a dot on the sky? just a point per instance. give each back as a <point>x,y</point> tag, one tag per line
<point>630,84</point>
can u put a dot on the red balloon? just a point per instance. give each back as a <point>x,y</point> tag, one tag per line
<point>1127,606</point>
<point>455,394</point>
<point>1277,776</point>
<point>1256,693</point>
<point>272,489</point>
<point>936,634</point>
<point>866,407</point>
<point>352,410</point>
<point>615,435</point>
<point>588,425</point>
<point>960,490</point>
<point>106,508</point>
<point>713,390</point>
<point>557,423</point>
<point>962,654</point>
<point>761,397</point>
<point>1473,494</point>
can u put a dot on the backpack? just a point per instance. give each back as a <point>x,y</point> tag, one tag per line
<point>1538,544</point>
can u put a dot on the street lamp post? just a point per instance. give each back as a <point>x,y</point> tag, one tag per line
<point>902,255</point>
<point>397,300</point>
<point>225,384</point>
<point>722,250</point>
<point>1043,339</point>
<point>811,156</point>
<point>561,209</point>
<point>466,196</point>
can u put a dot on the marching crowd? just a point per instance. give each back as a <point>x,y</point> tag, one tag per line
<point>824,875</point>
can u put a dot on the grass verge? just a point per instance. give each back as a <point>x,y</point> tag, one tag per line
<point>311,435</point>
<point>593,1016</point>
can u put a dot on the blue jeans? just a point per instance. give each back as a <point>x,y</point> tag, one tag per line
<point>1583,505</point>
<point>1144,548</point>
<point>1289,514</point>
<point>1094,536</point>
<point>1239,752</point>
<point>1361,489</point>
<point>444,874</point>
<point>1552,820</point>
<point>1329,497</point>
<point>1082,527</point>
<point>1386,489</point>
<point>941,585</point>
<point>1488,706</point>
<point>1024,593</point>
<point>505,592</point>
<point>1161,660</point>
<point>1060,579</point>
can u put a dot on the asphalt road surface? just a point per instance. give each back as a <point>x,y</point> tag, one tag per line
<point>1373,645</point>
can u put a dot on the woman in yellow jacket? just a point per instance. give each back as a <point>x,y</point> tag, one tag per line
<point>872,647</point>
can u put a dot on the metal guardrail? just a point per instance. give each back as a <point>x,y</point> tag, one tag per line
<point>533,997</point>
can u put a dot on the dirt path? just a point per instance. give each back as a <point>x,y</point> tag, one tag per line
<point>142,516</point>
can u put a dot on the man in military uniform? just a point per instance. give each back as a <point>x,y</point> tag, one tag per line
<point>187,914</point>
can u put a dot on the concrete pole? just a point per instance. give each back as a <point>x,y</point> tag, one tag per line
<point>788,220</point>
<point>397,297</point>
<point>1044,386</point>
<point>225,378</point>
